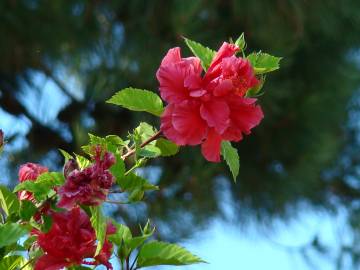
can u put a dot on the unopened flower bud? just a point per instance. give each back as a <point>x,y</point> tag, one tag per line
<point>70,166</point>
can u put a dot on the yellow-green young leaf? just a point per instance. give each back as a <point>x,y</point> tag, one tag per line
<point>121,238</point>
<point>145,131</point>
<point>10,233</point>
<point>263,62</point>
<point>118,169</point>
<point>150,151</point>
<point>137,241</point>
<point>82,161</point>
<point>65,154</point>
<point>231,157</point>
<point>240,42</point>
<point>255,91</point>
<point>98,222</point>
<point>43,184</point>
<point>8,201</point>
<point>205,54</point>
<point>167,148</point>
<point>11,262</point>
<point>133,182</point>
<point>161,253</point>
<point>138,100</point>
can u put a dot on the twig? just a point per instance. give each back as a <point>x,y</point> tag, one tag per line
<point>26,264</point>
<point>132,151</point>
<point>133,264</point>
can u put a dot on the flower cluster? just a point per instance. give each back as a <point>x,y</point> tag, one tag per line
<point>70,240</point>
<point>211,108</point>
<point>89,186</point>
<point>29,172</point>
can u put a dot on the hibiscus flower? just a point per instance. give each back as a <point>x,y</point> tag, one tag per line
<point>29,172</point>
<point>89,186</point>
<point>70,240</point>
<point>211,108</point>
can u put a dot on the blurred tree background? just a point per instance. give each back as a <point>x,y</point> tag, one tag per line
<point>60,60</point>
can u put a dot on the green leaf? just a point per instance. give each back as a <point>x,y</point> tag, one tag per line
<point>8,201</point>
<point>47,223</point>
<point>82,161</point>
<point>161,253</point>
<point>204,53</point>
<point>138,100</point>
<point>11,262</point>
<point>132,182</point>
<point>150,151</point>
<point>240,42</point>
<point>136,195</point>
<point>111,143</point>
<point>254,92</point>
<point>43,184</point>
<point>137,241</point>
<point>263,62</point>
<point>231,157</point>
<point>27,210</point>
<point>123,234</point>
<point>145,131</point>
<point>29,242</point>
<point>118,169</point>
<point>66,155</point>
<point>167,148</point>
<point>10,233</point>
<point>98,222</point>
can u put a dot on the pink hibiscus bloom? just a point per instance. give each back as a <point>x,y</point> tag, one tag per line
<point>207,109</point>
<point>89,186</point>
<point>70,240</point>
<point>29,172</point>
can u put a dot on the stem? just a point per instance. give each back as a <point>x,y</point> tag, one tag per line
<point>27,263</point>
<point>133,264</point>
<point>127,263</point>
<point>152,138</point>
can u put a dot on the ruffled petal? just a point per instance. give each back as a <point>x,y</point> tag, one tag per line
<point>183,124</point>
<point>226,50</point>
<point>216,113</point>
<point>244,115</point>
<point>176,76</point>
<point>48,262</point>
<point>212,146</point>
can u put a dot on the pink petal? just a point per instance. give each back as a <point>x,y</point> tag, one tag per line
<point>224,87</point>
<point>211,147</point>
<point>244,115</point>
<point>182,123</point>
<point>172,56</point>
<point>226,50</point>
<point>216,113</point>
<point>176,76</point>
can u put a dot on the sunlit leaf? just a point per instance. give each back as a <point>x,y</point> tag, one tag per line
<point>8,201</point>
<point>263,62</point>
<point>10,233</point>
<point>98,222</point>
<point>231,157</point>
<point>203,53</point>
<point>138,100</point>
<point>161,253</point>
